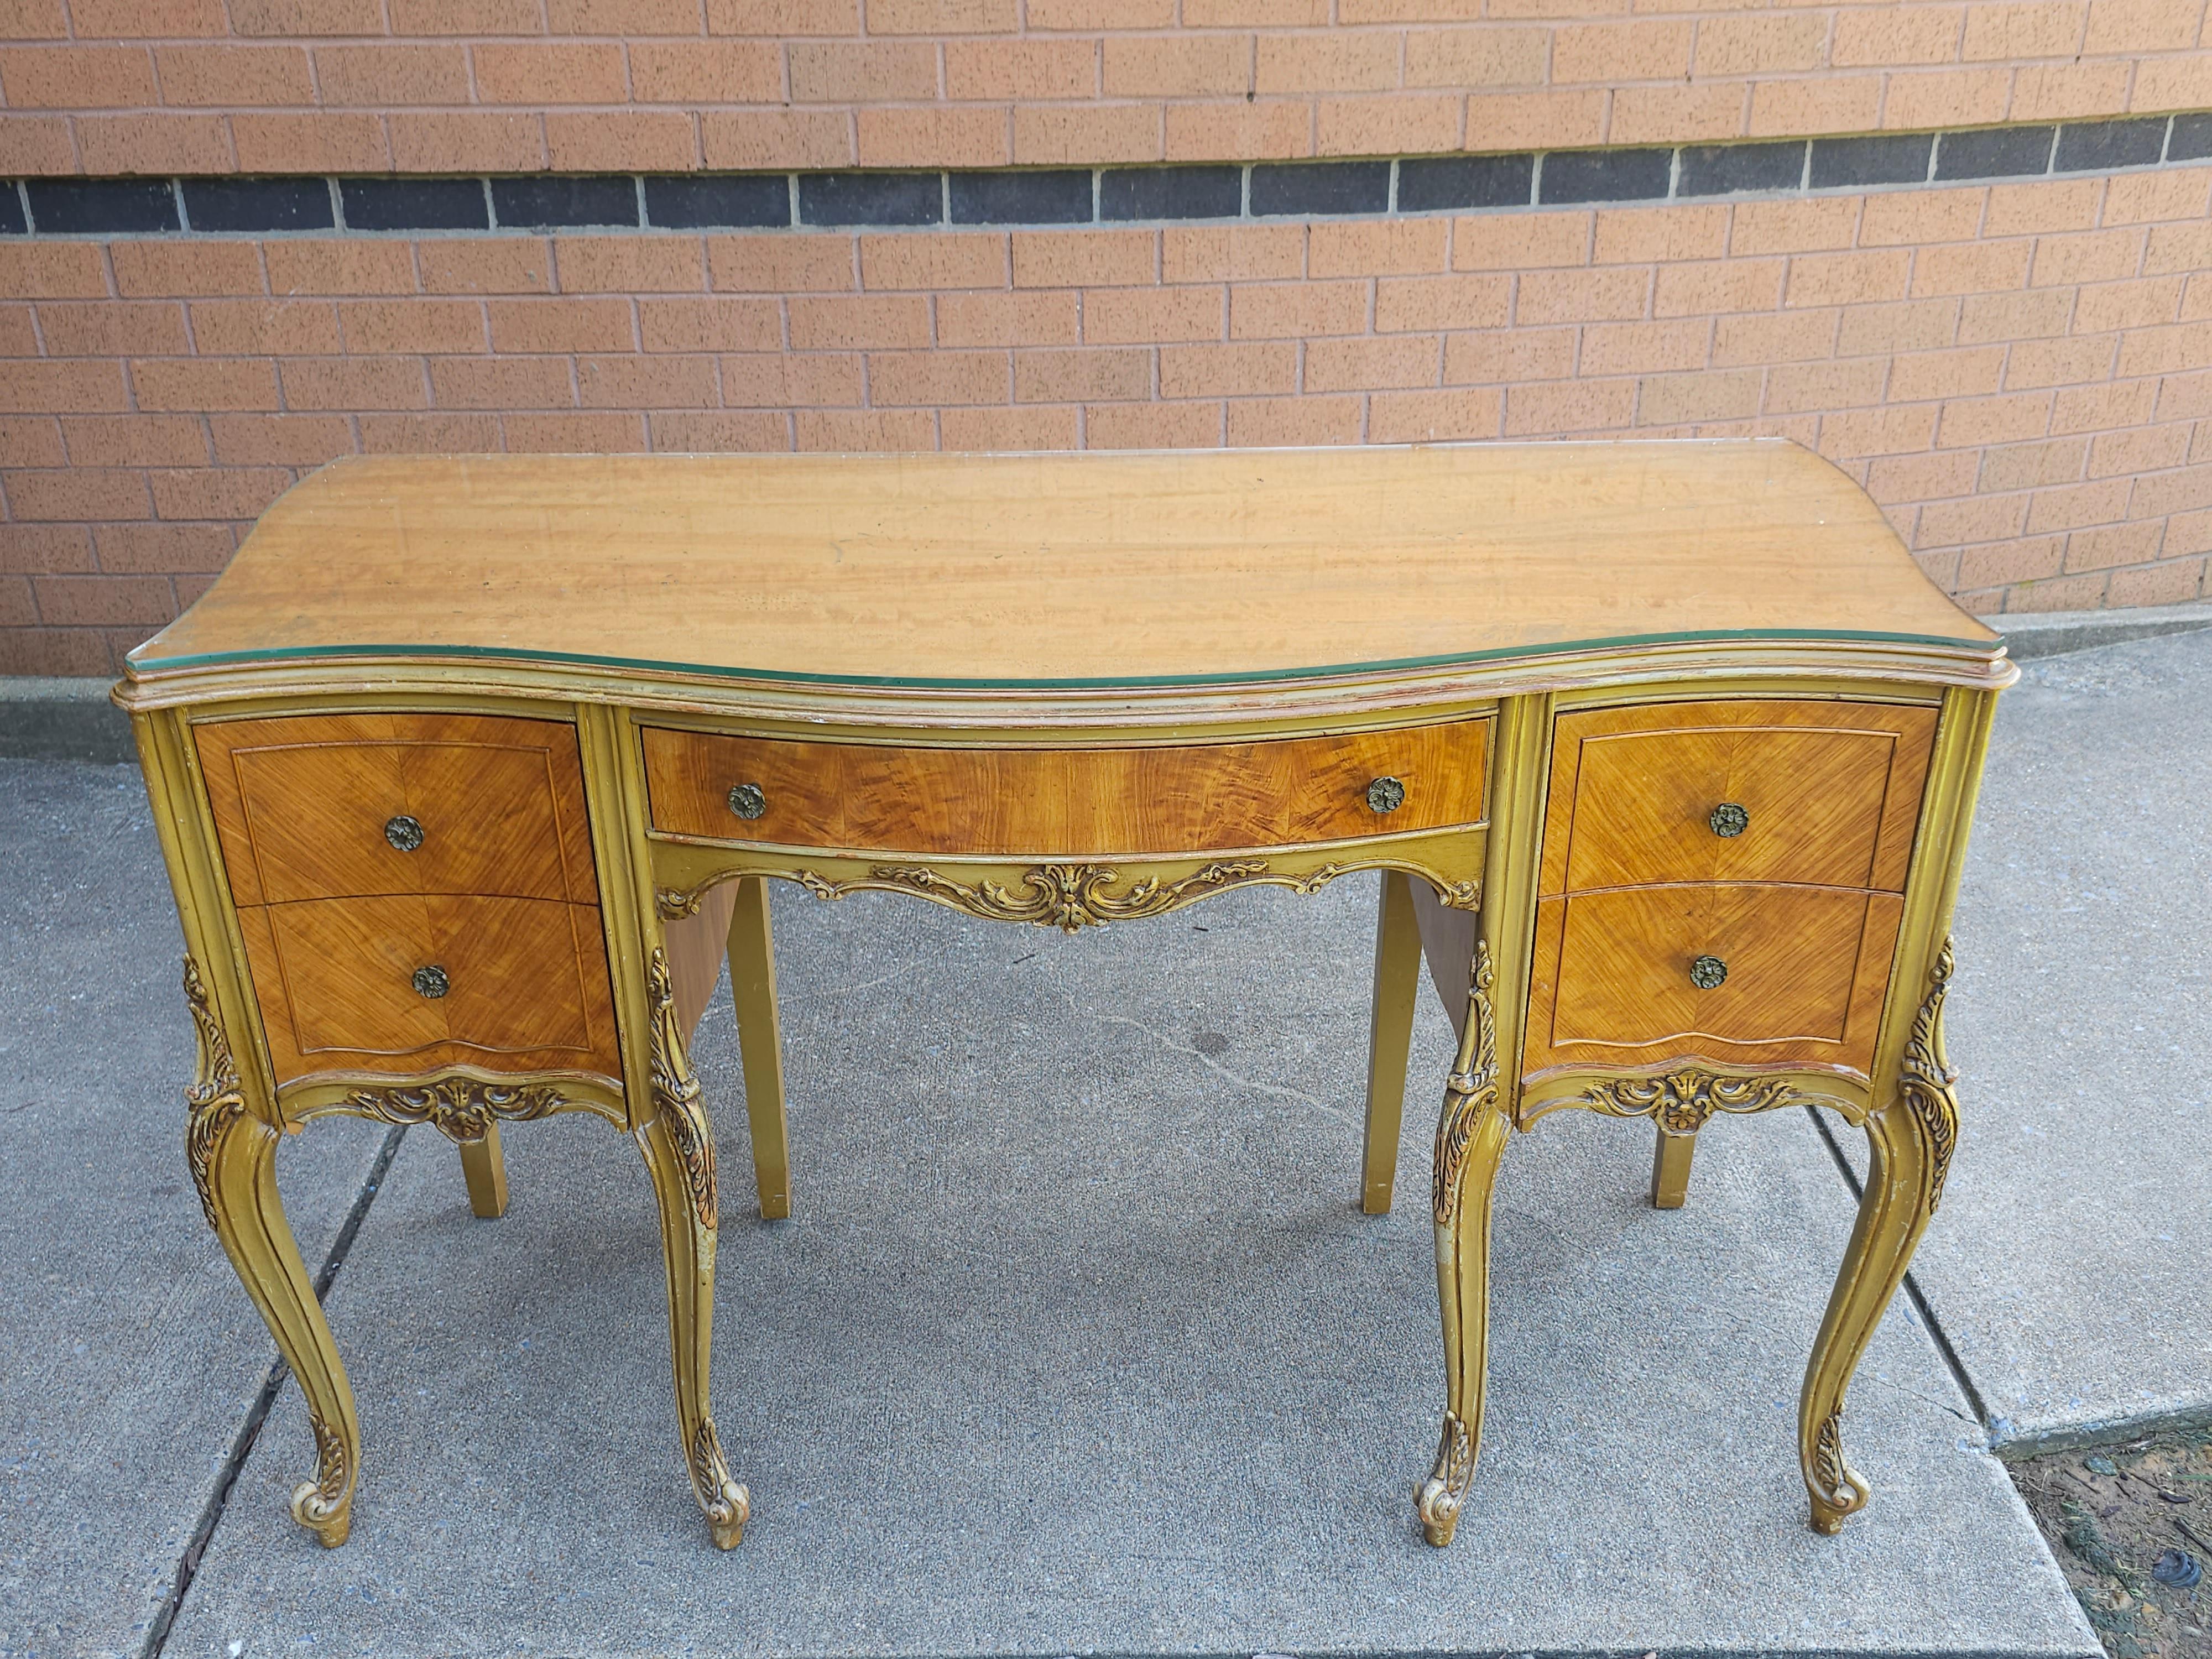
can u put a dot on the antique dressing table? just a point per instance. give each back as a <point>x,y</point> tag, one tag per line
<point>468,770</point>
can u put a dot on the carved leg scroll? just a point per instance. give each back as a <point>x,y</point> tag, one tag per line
<point>678,1145</point>
<point>1397,984</point>
<point>1911,1140</point>
<point>232,1157</point>
<point>1470,1139</point>
<point>1670,1170</point>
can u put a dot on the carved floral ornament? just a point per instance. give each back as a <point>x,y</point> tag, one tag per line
<point>1683,1100</point>
<point>213,1098</point>
<point>676,1097</point>
<point>1469,1093</point>
<point>460,1108</point>
<point>1925,1079</point>
<point>1073,896</point>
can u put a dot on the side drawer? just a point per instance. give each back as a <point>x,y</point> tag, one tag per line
<point>1827,793</point>
<point>321,806</point>
<point>1801,973</point>
<point>507,985</point>
<point>1079,803</point>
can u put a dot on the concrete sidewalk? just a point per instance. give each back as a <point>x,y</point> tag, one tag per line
<point>1077,1341</point>
<point>2068,1266</point>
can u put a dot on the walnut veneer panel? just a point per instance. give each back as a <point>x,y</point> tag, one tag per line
<point>1080,803</point>
<point>528,985</point>
<point>1806,969</point>
<point>1043,570</point>
<point>301,803</point>
<point>1832,790</point>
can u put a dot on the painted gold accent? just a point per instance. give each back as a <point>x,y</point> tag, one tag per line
<point>1838,1490</point>
<point>213,1097</point>
<point>484,1169</point>
<point>1470,1093</point>
<point>1925,1079</point>
<point>1671,1157</point>
<point>1438,1499</point>
<point>726,1504</point>
<point>1069,896</point>
<point>462,1108</point>
<point>1683,1100</point>
<point>676,1096</point>
<point>323,1505</point>
<point>1389,1038</point>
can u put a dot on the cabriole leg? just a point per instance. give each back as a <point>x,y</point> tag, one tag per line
<point>1390,1036</point>
<point>1670,1170</point>
<point>1471,1134</point>
<point>233,1156</point>
<point>233,1162</point>
<point>1911,1140</point>
<point>484,1169</point>
<point>678,1145</point>
<point>760,1045</point>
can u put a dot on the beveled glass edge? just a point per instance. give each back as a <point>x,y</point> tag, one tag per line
<point>134,664</point>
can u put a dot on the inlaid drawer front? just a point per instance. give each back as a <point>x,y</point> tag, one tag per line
<point>1740,972</point>
<point>354,805</point>
<point>406,983</point>
<point>1073,803</point>
<point>1827,793</point>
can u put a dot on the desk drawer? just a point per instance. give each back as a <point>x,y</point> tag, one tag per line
<point>1733,971</point>
<point>1822,792</point>
<point>355,805</point>
<point>1077,803</point>
<point>407,983</point>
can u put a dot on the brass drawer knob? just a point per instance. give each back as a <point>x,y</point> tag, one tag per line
<point>1729,820</point>
<point>404,832</point>
<point>747,800</point>
<point>431,982</point>
<point>1385,795</point>
<point>1706,973</point>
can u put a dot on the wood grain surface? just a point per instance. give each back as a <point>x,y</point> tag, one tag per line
<point>1831,788</point>
<point>1079,803</point>
<point>301,804</point>
<point>1078,568</point>
<point>528,978</point>
<point>1806,969</point>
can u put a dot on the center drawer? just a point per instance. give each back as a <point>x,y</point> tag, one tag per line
<point>1074,803</point>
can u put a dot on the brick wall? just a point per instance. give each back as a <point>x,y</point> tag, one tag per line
<point>463,86</point>
<point>2020,372</point>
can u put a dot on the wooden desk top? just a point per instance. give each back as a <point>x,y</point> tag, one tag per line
<point>1204,568</point>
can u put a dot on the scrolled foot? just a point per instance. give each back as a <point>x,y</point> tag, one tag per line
<point>325,1504</point>
<point>1438,1499</point>
<point>726,1504</point>
<point>1837,1489</point>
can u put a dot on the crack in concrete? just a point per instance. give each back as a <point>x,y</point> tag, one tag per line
<point>157,1633</point>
